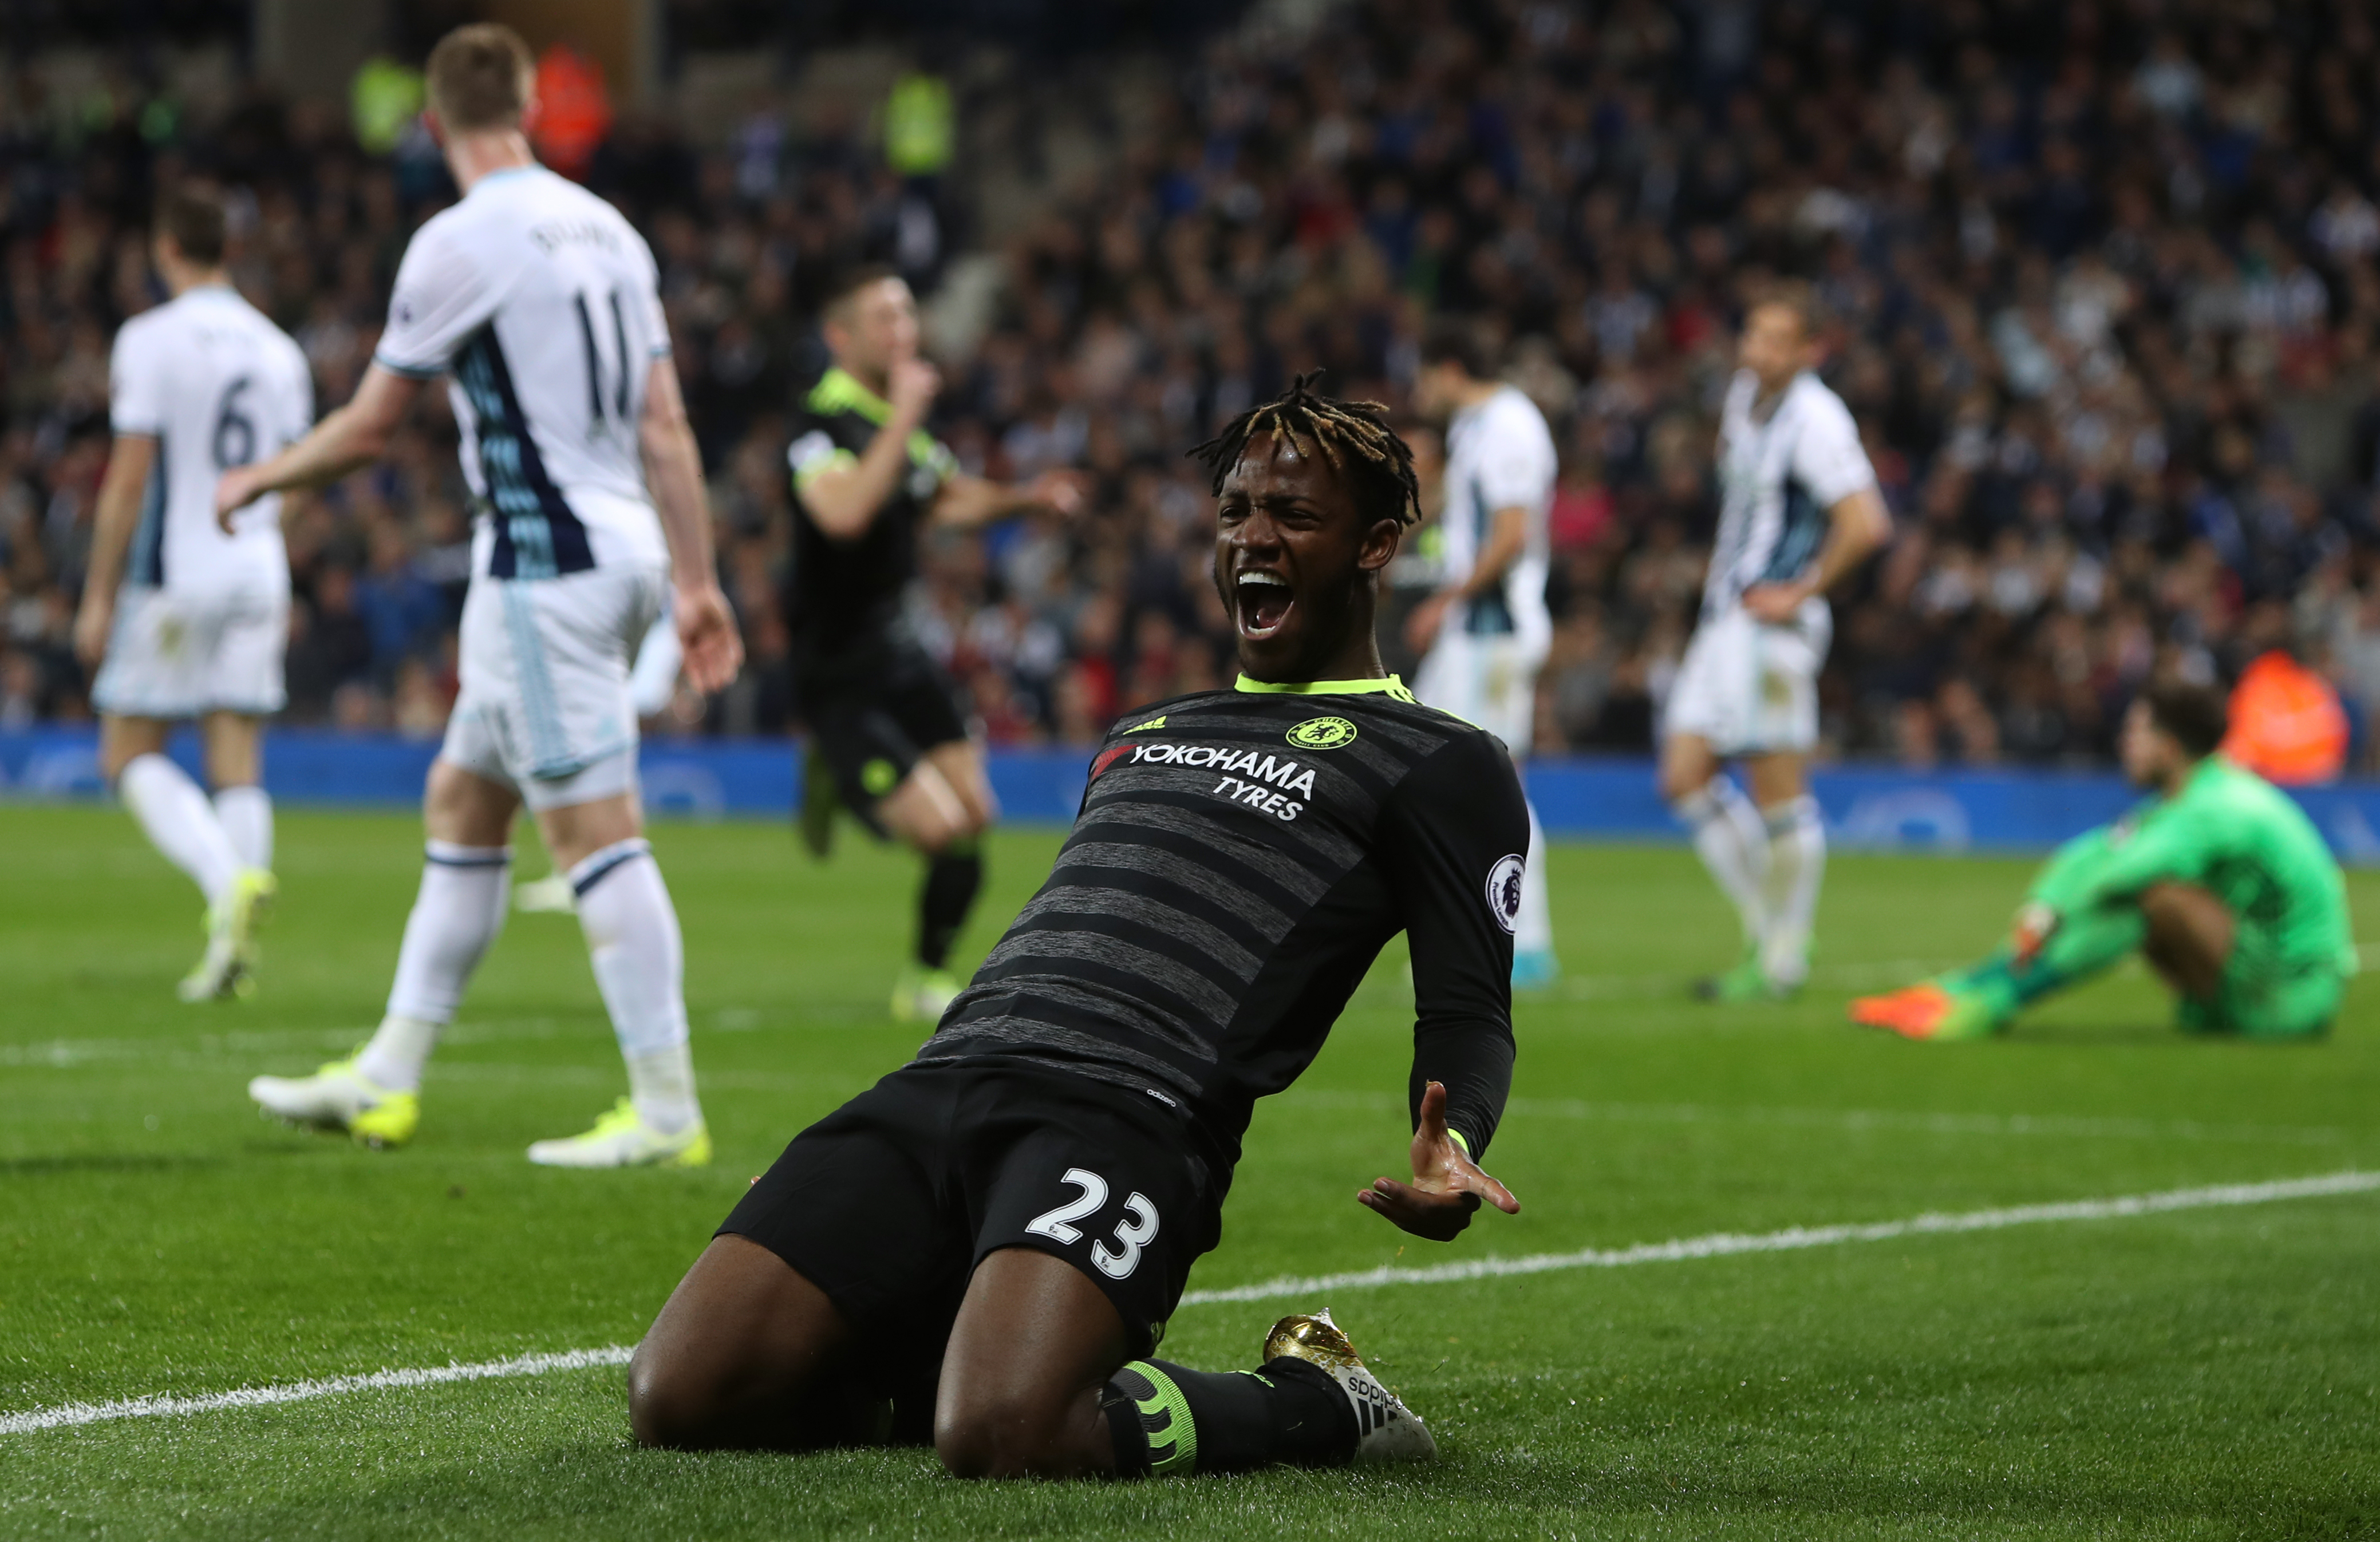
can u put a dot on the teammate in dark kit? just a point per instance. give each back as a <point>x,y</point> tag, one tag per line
<point>889,739</point>
<point>985,1245</point>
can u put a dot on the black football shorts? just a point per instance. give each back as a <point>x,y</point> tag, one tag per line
<point>874,713</point>
<point>889,1202</point>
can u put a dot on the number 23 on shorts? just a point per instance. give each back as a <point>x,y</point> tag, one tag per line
<point>1131,1234</point>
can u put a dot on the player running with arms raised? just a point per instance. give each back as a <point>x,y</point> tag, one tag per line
<point>992,1237</point>
<point>889,726</point>
<point>1799,512</point>
<point>2218,881</point>
<point>539,302</point>
<point>183,619</point>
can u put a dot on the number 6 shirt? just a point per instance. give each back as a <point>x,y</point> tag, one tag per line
<point>216,385</point>
<point>542,306</point>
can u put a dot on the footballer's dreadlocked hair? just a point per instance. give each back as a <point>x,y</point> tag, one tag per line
<point>1353,437</point>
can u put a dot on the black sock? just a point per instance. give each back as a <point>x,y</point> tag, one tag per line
<point>953,880</point>
<point>1167,1419</point>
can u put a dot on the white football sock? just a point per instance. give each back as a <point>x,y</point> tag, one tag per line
<point>1533,929</point>
<point>179,822</point>
<point>457,913</point>
<point>1797,861</point>
<point>640,960</point>
<point>1733,844</point>
<point>247,817</point>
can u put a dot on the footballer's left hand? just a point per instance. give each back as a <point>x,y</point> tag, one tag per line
<point>1774,604</point>
<point>1447,1185</point>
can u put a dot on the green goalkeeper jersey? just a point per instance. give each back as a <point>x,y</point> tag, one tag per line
<point>2235,835</point>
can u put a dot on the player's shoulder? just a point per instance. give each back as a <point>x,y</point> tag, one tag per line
<point>1512,410</point>
<point>1814,401</point>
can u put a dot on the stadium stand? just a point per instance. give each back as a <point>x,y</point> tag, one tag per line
<point>2102,279</point>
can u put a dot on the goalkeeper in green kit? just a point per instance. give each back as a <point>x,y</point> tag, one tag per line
<point>2218,880</point>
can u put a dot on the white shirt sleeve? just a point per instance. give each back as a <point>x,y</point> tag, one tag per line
<point>1516,464</point>
<point>650,297</point>
<point>136,382</point>
<point>442,296</point>
<point>1828,456</point>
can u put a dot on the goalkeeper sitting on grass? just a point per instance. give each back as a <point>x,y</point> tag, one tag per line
<point>2218,880</point>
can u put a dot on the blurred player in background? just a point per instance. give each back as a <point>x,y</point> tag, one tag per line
<point>2218,880</point>
<point>1799,511</point>
<point>1485,633</point>
<point>889,728</point>
<point>539,301</point>
<point>183,618</point>
<point>992,1237</point>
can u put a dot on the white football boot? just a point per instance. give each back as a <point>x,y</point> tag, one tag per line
<point>1389,1431</point>
<point>339,1097</point>
<point>622,1139</point>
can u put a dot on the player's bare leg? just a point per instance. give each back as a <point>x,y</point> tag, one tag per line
<point>235,756</point>
<point>1729,838</point>
<point>941,809</point>
<point>374,1094</point>
<point>638,956</point>
<point>1796,864</point>
<point>742,1357</point>
<point>1030,1358</point>
<point>2189,937</point>
<point>181,822</point>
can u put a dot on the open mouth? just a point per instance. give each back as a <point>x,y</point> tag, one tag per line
<point>1265,602</point>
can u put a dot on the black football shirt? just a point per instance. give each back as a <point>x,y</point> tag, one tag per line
<point>842,596</point>
<point>1239,860</point>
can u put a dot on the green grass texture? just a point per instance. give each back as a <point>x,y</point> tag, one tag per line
<point>2209,1373</point>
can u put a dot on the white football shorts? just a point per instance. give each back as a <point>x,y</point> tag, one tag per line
<point>1488,680</point>
<point>176,653</point>
<point>544,706</point>
<point>1749,688</point>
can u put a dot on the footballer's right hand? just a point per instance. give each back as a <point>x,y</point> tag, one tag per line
<point>234,490</point>
<point>707,634</point>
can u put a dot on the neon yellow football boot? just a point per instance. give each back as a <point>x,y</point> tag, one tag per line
<point>227,969</point>
<point>622,1139</point>
<point>339,1097</point>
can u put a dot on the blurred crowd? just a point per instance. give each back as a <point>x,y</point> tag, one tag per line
<point>2101,278</point>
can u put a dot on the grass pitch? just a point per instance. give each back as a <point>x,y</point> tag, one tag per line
<point>2207,1374</point>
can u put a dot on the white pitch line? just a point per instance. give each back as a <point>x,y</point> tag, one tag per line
<point>1723,1244</point>
<point>74,1414</point>
<point>1715,1246</point>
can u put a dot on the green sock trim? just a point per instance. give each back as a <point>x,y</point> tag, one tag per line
<point>1172,1434</point>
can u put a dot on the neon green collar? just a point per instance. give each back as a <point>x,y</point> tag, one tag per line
<point>1390,685</point>
<point>839,390</point>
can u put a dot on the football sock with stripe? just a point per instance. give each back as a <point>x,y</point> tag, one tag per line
<point>640,960</point>
<point>247,817</point>
<point>954,878</point>
<point>1167,1420</point>
<point>456,914</point>
<point>179,822</point>
<point>1796,833</point>
<point>1733,844</point>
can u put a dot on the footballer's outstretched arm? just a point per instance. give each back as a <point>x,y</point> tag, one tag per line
<point>353,437</point>
<point>966,500</point>
<point>1450,842</point>
<point>706,627</point>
